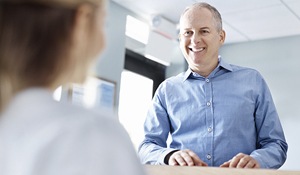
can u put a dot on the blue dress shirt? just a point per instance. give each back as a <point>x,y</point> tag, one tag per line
<point>229,112</point>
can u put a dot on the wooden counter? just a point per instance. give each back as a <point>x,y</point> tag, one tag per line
<point>178,170</point>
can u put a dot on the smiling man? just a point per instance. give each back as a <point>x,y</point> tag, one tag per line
<point>217,114</point>
<point>201,36</point>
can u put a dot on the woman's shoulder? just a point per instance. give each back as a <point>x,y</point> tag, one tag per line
<point>36,108</point>
<point>100,118</point>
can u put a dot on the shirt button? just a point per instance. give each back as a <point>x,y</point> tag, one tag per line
<point>208,156</point>
<point>209,129</point>
<point>208,103</point>
<point>207,80</point>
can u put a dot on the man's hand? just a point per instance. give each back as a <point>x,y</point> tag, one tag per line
<point>185,158</point>
<point>241,161</point>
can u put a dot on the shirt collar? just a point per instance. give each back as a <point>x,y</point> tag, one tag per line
<point>222,64</point>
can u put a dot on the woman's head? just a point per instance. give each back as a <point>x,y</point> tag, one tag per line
<point>46,43</point>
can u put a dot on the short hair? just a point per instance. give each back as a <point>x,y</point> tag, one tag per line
<point>216,15</point>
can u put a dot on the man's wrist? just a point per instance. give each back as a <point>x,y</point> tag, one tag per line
<point>166,160</point>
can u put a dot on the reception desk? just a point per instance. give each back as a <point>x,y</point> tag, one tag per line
<point>178,170</point>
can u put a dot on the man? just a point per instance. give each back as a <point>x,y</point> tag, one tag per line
<point>217,114</point>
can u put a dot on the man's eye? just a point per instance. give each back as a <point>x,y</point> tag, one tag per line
<point>188,33</point>
<point>205,31</point>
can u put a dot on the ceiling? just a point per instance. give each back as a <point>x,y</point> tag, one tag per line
<point>243,20</point>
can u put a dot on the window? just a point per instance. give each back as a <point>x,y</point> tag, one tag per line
<point>135,97</point>
<point>137,29</point>
<point>139,80</point>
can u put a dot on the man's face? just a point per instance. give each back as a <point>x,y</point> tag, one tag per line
<point>199,38</point>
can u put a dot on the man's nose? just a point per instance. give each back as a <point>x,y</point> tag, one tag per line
<point>196,38</point>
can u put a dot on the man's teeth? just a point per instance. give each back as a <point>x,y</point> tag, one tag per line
<point>196,50</point>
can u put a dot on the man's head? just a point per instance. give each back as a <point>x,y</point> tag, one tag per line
<point>201,36</point>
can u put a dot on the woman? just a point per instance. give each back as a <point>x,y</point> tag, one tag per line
<point>45,44</point>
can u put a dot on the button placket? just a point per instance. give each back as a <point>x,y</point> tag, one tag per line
<point>209,119</point>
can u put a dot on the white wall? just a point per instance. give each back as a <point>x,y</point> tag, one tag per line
<point>278,60</point>
<point>178,63</point>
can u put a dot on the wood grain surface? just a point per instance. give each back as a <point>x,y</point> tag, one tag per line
<point>178,170</point>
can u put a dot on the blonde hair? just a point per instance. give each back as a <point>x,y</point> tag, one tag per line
<point>35,42</point>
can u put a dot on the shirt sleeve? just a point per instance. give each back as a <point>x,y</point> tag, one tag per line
<point>271,144</point>
<point>153,148</point>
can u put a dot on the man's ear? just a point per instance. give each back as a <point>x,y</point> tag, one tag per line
<point>222,36</point>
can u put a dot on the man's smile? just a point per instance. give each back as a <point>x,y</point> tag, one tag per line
<point>196,49</point>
